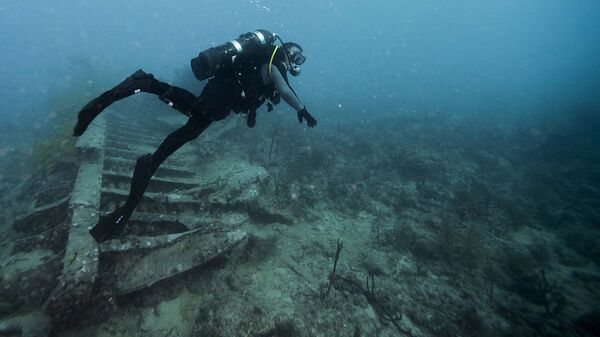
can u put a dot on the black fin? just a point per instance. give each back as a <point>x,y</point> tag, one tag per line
<point>138,81</point>
<point>111,225</point>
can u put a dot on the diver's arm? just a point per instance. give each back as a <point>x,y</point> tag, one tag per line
<point>285,91</point>
<point>288,94</point>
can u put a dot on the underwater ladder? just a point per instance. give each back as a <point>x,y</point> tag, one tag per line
<point>93,274</point>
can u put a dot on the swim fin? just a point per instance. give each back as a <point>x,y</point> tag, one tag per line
<point>111,225</point>
<point>138,81</point>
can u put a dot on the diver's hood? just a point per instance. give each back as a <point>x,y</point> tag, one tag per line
<point>294,57</point>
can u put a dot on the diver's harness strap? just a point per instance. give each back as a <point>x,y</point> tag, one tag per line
<point>251,94</point>
<point>249,111</point>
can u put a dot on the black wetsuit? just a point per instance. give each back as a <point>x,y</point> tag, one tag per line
<point>222,94</point>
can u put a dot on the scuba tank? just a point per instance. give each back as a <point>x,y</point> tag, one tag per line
<point>213,59</point>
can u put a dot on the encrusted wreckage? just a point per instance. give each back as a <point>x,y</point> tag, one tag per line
<point>68,271</point>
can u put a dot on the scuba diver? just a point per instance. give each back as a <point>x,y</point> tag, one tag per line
<point>243,74</point>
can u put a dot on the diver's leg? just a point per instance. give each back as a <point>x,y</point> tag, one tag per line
<point>139,81</point>
<point>179,99</point>
<point>145,167</point>
<point>148,164</point>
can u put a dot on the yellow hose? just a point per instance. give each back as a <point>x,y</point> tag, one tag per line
<point>271,62</point>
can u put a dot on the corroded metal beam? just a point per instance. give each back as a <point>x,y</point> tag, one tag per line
<point>80,262</point>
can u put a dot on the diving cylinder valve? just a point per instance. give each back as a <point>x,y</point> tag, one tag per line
<point>210,61</point>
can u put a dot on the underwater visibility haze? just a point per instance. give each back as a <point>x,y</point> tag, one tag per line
<point>444,179</point>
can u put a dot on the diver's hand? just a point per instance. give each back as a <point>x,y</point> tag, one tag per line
<point>310,120</point>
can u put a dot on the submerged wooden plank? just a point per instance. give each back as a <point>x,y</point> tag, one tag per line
<point>137,263</point>
<point>42,218</point>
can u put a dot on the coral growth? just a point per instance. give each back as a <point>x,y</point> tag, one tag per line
<point>58,149</point>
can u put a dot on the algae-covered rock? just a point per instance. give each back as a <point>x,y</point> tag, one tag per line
<point>33,324</point>
<point>28,279</point>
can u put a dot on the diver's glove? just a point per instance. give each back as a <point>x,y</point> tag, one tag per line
<point>310,120</point>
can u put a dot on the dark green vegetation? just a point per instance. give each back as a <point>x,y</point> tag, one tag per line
<point>54,146</point>
<point>57,150</point>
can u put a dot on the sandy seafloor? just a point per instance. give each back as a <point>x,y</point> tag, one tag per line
<point>462,231</point>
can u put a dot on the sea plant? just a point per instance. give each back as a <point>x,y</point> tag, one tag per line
<point>57,149</point>
<point>58,146</point>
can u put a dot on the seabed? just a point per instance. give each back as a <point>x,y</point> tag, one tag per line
<point>440,233</point>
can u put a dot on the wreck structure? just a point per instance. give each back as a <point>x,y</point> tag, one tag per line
<point>66,270</point>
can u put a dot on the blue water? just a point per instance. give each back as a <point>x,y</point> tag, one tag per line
<point>498,57</point>
<point>488,110</point>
